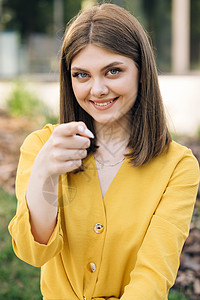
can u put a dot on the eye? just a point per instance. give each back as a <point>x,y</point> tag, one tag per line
<point>80,75</point>
<point>114,71</point>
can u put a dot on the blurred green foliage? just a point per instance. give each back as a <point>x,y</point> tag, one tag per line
<point>24,103</point>
<point>155,16</point>
<point>159,25</point>
<point>198,133</point>
<point>34,16</point>
<point>195,34</point>
<point>18,279</point>
<point>175,295</point>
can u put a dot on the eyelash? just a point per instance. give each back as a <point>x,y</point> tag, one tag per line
<point>115,69</point>
<point>78,74</point>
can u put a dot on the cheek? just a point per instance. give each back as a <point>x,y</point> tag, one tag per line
<point>128,85</point>
<point>80,91</point>
<point>130,93</point>
<point>131,87</point>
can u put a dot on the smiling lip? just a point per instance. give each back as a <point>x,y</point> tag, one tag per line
<point>104,104</point>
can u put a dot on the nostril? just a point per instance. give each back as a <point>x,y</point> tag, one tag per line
<point>99,90</point>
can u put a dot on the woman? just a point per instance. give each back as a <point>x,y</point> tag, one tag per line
<point>105,199</point>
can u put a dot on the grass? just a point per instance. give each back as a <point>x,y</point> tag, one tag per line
<point>176,295</point>
<point>24,103</point>
<point>20,281</point>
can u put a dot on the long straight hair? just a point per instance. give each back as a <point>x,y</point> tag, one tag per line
<point>113,28</point>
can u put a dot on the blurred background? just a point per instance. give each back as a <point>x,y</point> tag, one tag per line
<point>31,34</point>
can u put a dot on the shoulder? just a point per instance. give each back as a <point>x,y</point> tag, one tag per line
<point>177,152</point>
<point>176,149</point>
<point>180,159</point>
<point>175,160</point>
<point>38,138</point>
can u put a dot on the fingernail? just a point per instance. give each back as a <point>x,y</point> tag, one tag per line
<point>89,133</point>
<point>86,131</point>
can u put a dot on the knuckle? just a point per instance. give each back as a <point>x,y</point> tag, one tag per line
<point>86,143</point>
<point>57,143</point>
<point>71,126</point>
<point>81,153</point>
<point>72,165</point>
<point>84,153</point>
<point>80,123</point>
<point>77,162</point>
<point>54,143</point>
<point>54,155</point>
<point>56,169</point>
<point>56,130</point>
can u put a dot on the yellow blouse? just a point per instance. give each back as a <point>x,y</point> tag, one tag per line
<point>125,246</point>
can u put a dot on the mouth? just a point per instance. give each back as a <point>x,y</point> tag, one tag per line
<point>103,103</point>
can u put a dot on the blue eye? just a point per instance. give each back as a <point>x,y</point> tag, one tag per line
<point>114,71</point>
<point>80,75</point>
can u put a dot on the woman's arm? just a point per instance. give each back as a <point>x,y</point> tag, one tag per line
<point>62,153</point>
<point>36,228</point>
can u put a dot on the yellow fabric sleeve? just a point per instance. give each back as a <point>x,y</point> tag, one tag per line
<point>158,258</point>
<point>24,245</point>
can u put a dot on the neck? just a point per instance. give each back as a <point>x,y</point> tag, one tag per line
<point>112,138</point>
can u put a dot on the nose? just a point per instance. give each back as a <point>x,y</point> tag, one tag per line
<point>98,88</point>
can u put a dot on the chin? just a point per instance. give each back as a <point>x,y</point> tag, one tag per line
<point>106,120</point>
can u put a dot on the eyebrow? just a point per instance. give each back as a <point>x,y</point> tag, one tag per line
<point>104,68</point>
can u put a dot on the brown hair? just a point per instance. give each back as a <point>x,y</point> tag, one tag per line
<point>112,27</point>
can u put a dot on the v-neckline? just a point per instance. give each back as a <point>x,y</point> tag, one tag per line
<point>112,182</point>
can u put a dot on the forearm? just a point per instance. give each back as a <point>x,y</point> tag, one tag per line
<point>62,153</point>
<point>42,201</point>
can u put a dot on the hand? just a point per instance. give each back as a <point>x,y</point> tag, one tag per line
<point>65,149</point>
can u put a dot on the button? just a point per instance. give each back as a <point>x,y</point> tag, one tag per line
<point>92,267</point>
<point>98,228</point>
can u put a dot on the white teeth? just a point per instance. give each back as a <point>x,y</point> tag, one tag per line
<point>104,103</point>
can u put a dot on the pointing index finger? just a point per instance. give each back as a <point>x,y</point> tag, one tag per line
<point>72,128</point>
<point>85,131</point>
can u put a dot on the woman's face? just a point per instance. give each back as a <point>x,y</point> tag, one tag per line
<point>105,84</point>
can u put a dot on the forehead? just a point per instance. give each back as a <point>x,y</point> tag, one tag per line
<point>93,55</point>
